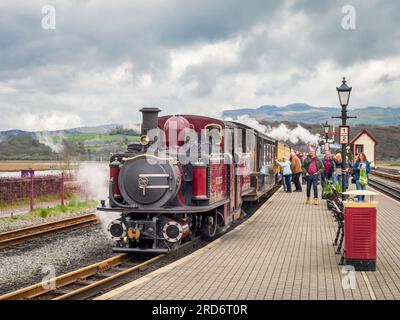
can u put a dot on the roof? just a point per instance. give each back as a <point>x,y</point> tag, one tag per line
<point>362,133</point>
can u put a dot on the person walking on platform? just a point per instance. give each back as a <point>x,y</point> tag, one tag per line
<point>329,169</point>
<point>337,158</point>
<point>287,173</point>
<point>303,176</point>
<point>296,171</point>
<point>361,169</point>
<point>312,166</point>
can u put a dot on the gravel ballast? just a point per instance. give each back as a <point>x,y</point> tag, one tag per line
<point>7,225</point>
<point>28,263</point>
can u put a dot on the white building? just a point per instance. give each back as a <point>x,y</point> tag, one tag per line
<point>364,142</point>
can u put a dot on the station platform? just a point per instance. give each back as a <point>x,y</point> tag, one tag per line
<point>283,251</point>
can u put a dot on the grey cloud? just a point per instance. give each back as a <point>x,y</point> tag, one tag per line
<point>66,71</point>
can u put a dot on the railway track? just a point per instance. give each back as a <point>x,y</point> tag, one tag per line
<point>85,282</point>
<point>386,189</point>
<point>21,235</point>
<point>385,174</point>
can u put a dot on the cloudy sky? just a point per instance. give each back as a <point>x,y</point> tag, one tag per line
<point>105,59</point>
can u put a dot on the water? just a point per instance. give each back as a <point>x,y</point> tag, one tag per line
<point>17,174</point>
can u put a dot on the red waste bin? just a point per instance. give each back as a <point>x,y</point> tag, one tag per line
<point>360,231</point>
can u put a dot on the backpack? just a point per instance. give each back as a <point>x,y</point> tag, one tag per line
<point>363,177</point>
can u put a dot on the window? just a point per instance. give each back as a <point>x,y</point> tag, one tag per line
<point>359,148</point>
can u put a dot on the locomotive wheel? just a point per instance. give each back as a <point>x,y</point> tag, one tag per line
<point>211,227</point>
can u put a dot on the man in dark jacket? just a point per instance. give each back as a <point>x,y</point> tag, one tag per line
<point>329,168</point>
<point>312,167</point>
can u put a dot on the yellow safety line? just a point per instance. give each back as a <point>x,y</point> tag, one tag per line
<point>369,286</point>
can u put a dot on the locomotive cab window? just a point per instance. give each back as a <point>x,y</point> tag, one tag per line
<point>214,136</point>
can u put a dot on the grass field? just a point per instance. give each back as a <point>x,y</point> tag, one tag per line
<point>73,206</point>
<point>11,165</point>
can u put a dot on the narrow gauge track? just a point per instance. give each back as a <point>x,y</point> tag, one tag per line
<point>390,176</point>
<point>21,235</point>
<point>85,282</point>
<point>386,189</point>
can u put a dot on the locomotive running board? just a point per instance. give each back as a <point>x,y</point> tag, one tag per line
<point>186,209</point>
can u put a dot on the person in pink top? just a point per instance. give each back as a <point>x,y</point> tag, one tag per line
<point>312,167</point>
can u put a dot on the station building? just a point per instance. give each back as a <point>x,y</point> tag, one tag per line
<point>365,142</point>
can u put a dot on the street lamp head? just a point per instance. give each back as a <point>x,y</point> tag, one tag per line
<point>326,127</point>
<point>344,93</point>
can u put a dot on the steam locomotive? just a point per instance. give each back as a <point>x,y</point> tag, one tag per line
<point>187,175</point>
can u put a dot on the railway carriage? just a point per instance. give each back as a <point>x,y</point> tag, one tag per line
<point>187,175</point>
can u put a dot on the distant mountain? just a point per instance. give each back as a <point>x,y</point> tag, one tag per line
<point>300,112</point>
<point>105,128</point>
<point>15,133</point>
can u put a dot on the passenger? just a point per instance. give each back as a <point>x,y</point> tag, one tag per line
<point>303,176</point>
<point>361,169</point>
<point>349,172</point>
<point>329,169</point>
<point>312,166</point>
<point>287,173</point>
<point>296,171</point>
<point>338,163</point>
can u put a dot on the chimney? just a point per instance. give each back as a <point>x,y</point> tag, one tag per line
<point>150,119</point>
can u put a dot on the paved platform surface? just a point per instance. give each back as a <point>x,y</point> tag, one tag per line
<point>284,251</point>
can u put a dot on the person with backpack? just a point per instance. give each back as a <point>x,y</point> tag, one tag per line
<point>361,169</point>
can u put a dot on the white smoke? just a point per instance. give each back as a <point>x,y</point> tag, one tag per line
<point>132,126</point>
<point>94,177</point>
<point>282,132</point>
<point>49,140</point>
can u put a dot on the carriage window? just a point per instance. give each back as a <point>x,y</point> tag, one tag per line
<point>214,133</point>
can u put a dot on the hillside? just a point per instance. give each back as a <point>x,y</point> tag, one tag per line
<point>24,147</point>
<point>86,143</point>
<point>94,143</point>
<point>309,114</point>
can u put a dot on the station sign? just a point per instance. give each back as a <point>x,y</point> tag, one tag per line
<point>344,134</point>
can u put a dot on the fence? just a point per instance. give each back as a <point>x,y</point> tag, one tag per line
<point>30,191</point>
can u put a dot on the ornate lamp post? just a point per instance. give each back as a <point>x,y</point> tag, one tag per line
<point>344,92</point>
<point>326,129</point>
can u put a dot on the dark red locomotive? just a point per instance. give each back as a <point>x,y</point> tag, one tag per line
<point>187,175</point>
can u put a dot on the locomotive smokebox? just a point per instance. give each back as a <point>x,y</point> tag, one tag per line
<point>150,119</point>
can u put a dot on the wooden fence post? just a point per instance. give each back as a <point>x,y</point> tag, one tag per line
<point>32,191</point>
<point>62,189</point>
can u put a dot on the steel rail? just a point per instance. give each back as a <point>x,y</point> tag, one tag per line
<point>386,175</point>
<point>49,285</point>
<point>79,275</point>
<point>92,287</point>
<point>386,189</point>
<point>21,235</point>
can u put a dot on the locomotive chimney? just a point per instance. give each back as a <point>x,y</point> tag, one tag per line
<point>150,119</point>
